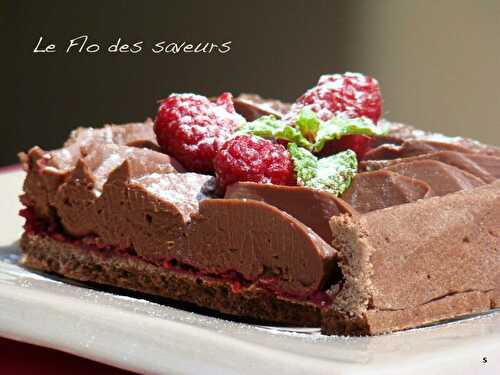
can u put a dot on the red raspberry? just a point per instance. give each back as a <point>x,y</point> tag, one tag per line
<point>250,158</point>
<point>351,95</point>
<point>192,128</point>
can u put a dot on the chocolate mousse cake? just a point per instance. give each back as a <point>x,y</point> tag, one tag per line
<point>316,213</point>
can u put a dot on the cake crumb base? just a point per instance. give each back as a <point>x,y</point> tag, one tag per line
<point>47,254</point>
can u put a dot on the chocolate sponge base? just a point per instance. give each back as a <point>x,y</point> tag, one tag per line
<point>46,254</point>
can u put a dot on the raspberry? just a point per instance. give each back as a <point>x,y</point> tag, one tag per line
<point>350,95</point>
<point>191,128</point>
<point>250,158</point>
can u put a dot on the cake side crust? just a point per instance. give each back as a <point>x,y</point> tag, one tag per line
<point>374,322</point>
<point>430,261</point>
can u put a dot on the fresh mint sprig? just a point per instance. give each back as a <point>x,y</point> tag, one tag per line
<point>308,123</point>
<point>338,127</point>
<point>333,173</point>
<point>271,127</point>
<point>309,131</point>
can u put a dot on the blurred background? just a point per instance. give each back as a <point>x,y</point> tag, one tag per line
<point>437,61</point>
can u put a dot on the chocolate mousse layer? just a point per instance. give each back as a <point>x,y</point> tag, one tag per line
<point>139,134</point>
<point>417,263</point>
<point>371,191</point>
<point>399,133</point>
<point>411,148</point>
<point>312,207</point>
<point>485,167</point>
<point>135,198</point>
<point>441,178</point>
<point>252,106</point>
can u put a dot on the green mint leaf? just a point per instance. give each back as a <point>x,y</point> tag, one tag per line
<point>333,173</point>
<point>305,164</point>
<point>271,127</point>
<point>338,127</point>
<point>308,123</point>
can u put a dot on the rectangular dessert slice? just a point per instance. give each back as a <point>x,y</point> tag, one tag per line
<point>415,239</point>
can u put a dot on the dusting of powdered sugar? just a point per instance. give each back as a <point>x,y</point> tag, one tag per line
<point>184,190</point>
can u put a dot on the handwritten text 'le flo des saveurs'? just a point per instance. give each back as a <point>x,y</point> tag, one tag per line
<point>84,45</point>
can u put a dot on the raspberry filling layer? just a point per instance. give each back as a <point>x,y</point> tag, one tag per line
<point>237,282</point>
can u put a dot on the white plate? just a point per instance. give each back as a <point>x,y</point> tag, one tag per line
<point>147,337</point>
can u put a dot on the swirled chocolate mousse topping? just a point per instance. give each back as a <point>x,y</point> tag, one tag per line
<point>316,213</point>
